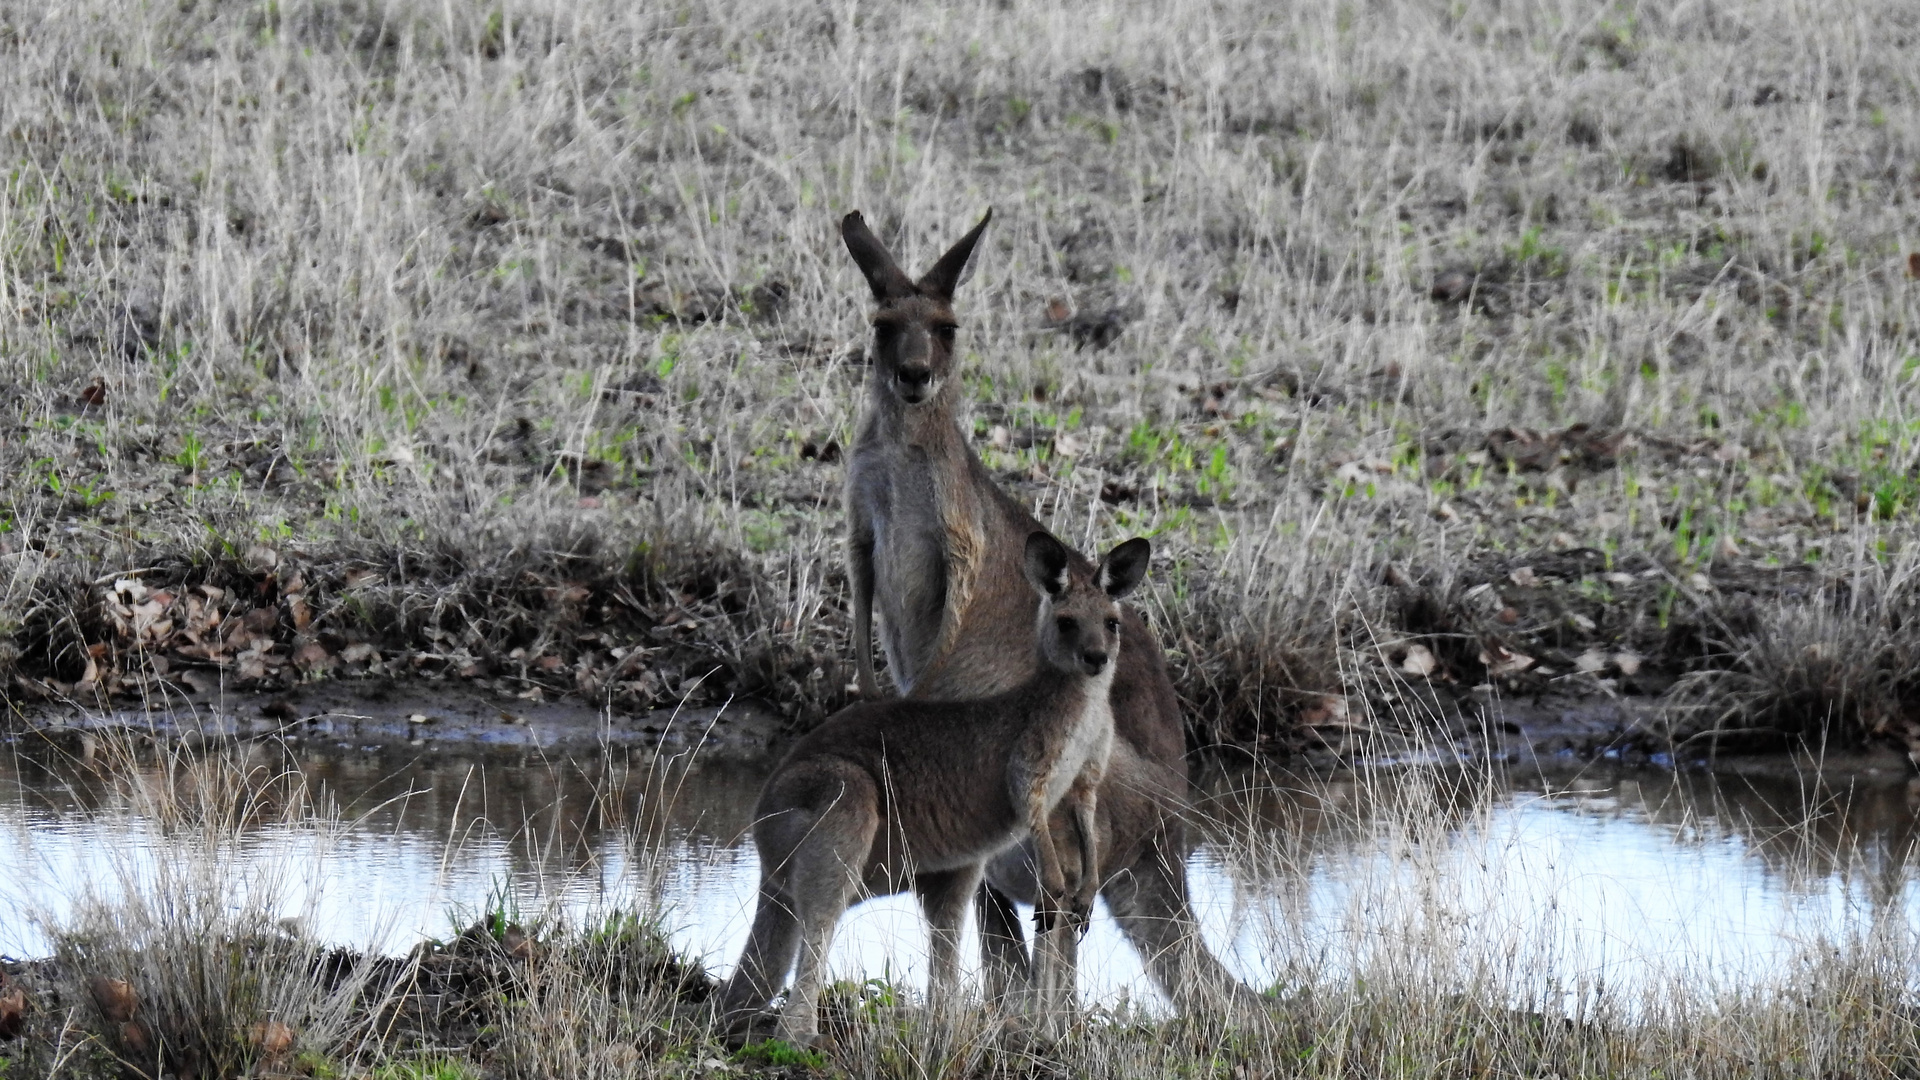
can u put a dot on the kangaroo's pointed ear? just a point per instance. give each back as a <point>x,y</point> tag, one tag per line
<point>884,276</point>
<point>1046,564</point>
<point>951,270</point>
<point>1125,567</point>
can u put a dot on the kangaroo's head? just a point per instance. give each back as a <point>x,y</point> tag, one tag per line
<point>913,326</point>
<point>1079,623</point>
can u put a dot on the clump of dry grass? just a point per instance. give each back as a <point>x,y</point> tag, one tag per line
<point>474,300</point>
<point>175,958</point>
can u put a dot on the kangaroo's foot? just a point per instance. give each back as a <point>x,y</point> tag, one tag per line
<point>738,1029</point>
<point>797,1030</point>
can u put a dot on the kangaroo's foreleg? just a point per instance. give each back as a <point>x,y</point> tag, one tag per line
<point>1053,882</point>
<point>1083,805</point>
<point>860,569</point>
<point>1057,946</point>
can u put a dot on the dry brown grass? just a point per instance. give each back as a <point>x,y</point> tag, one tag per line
<point>519,335</point>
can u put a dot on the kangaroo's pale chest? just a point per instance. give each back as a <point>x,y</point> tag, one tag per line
<point>1088,742</point>
<point>910,564</point>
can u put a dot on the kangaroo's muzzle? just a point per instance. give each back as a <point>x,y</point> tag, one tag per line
<point>915,383</point>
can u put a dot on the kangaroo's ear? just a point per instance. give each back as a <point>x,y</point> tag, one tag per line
<point>1046,564</point>
<point>951,270</point>
<point>1125,567</point>
<point>884,276</point>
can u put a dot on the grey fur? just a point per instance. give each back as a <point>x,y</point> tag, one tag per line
<point>934,545</point>
<point>887,796</point>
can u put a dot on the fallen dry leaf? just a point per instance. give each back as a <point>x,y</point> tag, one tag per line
<point>116,998</point>
<point>1591,661</point>
<point>517,943</point>
<point>271,1037</point>
<point>1913,265</point>
<point>1329,711</point>
<point>262,559</point>
<point>1501,661</point>
<point>135,1036</point>
<point>13,1008</point>
<point>1419,661</point>
<point>1524,577</point>
<point>312,657</point>
<point>1628,662</point>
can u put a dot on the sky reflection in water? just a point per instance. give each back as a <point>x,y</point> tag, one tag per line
<point>1626,879</point>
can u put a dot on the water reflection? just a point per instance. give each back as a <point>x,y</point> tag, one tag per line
<point>1545,884</point>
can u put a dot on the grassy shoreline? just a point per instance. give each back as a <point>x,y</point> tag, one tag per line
<point>218,983</point>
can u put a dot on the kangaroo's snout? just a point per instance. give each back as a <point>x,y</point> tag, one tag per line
<point>915,383</point>
<point>1095,659</point>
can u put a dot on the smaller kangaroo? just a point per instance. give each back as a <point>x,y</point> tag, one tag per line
<point>891,795</point>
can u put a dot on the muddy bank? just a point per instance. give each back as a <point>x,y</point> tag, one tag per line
<point>381,713</point>
<point>144,1011</point>
<point>1548,733</point>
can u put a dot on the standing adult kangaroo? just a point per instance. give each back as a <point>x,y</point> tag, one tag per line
<point>934,544</point>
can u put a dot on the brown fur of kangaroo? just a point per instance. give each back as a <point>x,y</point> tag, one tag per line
<point>891,795</point>
<point>930,538</point>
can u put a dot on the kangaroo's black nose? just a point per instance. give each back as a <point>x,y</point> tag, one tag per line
<point>1095,660</point>
<point>914,376</point>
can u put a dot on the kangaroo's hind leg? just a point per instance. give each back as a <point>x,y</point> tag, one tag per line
<point>943,897</point>
<point>768,957</point>
<point>1148,901</point>
<point>1003,944</point>
<point>835,826</point>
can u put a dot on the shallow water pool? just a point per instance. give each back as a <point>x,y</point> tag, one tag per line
<point>1550,885</point>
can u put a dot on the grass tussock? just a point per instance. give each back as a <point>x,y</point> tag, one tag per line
<point>519,339</point>
<point>185,966</point>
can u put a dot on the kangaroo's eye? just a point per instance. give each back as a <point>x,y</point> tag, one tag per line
<point>1063,624</point>
<point>1113,626</point>
<point>944,332</point>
